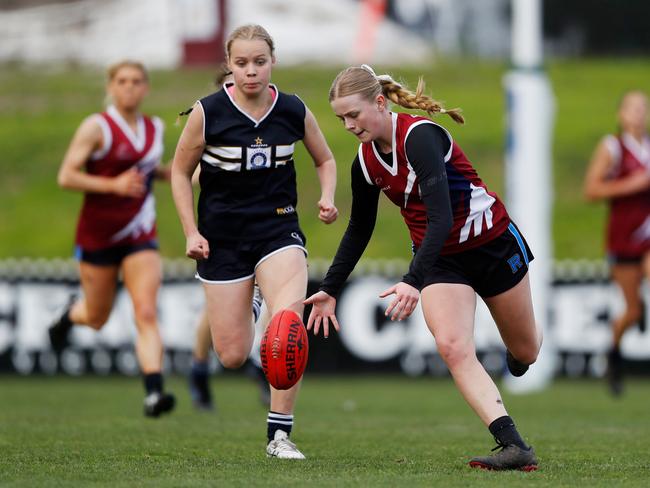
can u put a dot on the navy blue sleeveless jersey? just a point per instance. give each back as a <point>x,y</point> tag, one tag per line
<point>248,178</point>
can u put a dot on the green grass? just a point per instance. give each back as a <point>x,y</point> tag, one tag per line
<point>355,431</point>
<point>40,110</point>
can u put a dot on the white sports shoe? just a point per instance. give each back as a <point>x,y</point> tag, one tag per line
<point>281,447</point>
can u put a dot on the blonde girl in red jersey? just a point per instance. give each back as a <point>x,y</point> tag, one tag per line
<point>112,159</point>
<point>619,173</point>
<point>465,244</point>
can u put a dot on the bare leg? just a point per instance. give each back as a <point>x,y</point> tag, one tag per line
<point>99,284</point>
<point>232,333</point>
<point>449,313</point>
<point>142,274</point>
<point>512,311</point>
<point>628,277</point>
<point>203,342</point>
<point>283,281</point>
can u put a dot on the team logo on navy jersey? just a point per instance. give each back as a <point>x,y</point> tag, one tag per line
<point>258,156</point>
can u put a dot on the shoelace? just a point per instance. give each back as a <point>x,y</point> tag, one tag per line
<point>500,445</point>
<point>285,445</point>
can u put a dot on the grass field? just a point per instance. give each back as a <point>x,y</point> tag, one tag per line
<point>355,431</point>
<point>40,109</point>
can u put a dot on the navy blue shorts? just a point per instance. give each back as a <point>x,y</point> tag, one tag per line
<point>231,262</point>
<point>112,256</point>
<point>614,259</point>
<point>490,269</point>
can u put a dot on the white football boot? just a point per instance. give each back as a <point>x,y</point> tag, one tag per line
<point>282,448</point>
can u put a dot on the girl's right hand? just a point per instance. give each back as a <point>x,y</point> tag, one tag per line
<point>197,247</point>
<point>322,312</point>
<point>130,183</point>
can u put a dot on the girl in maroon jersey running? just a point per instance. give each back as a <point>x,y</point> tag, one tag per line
<point>463,239</point>
<point>619,173</point>
<point>113,159</point>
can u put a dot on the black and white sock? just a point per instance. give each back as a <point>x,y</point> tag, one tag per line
<point>278,421</point>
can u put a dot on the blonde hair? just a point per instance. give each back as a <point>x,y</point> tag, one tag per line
<point>113,69</point>
<point>362,80</point>
<point>250,32</point>
<point>246,32</point>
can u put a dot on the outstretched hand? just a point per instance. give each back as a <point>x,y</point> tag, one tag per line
<point>405,301</point>
<point>322,312</point>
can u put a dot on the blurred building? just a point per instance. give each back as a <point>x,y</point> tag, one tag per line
<point>170,33</point>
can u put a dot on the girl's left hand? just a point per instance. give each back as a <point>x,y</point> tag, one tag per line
<point>327,210</point>
<point>406,299</point>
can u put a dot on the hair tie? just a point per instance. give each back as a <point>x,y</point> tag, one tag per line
<point>369,69</point>
<point>443,111</point>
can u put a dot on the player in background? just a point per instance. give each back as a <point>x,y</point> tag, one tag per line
<point>244,137</point>
<point>113,158</point>
<point>465,244</point>
<point>619,173</point>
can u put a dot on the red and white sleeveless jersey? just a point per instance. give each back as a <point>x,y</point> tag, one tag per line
<point>479,216</point>
<point>628,230</point>
<point>107,219</point>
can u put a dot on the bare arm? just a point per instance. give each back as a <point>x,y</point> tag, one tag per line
<point>325,167</point>
<point>598,185</point>
<point>163,172</point>
<point>72,175</point>
<point>188,153</point>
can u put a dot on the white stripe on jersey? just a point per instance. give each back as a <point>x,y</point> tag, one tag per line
<point>108,138</point>
<point>391,169</point>
<point>641,150</point>
<point>152,158</point>
<point>284,151</point>
<point>410,179</point>
<point>642,233</point>
<point>141,223</point>
<point>217,163</point>
<point>137,138</point>
<point>420,122</point>
<point>479,206</point>
<point>231,152</point>
<point>363,165</point>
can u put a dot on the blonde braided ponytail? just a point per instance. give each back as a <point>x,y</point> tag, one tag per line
<point>417,100</point>
<point>364,81</point>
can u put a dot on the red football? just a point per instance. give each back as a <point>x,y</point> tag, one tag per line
<point>284,350</point>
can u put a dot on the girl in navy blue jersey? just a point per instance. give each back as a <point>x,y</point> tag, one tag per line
<point>465,244</point>
<point>244,137</point>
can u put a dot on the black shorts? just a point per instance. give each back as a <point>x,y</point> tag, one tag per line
<point>231,262</point>
<point>490,269</point>
<point>112,256</point>
<point>613,259</point>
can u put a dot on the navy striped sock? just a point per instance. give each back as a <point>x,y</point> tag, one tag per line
<point>278,421</point>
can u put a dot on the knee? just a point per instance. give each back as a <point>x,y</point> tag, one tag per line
<point>634,313</point>
<point>145,314</point>
<point>526,353</point>
<point>454,351</point>
<point>97,318</point>
<point>231,359</point>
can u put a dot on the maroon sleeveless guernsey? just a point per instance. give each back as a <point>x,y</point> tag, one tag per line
<point>479,216</point>
<point>107,219</point>
<point>628,229</point>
